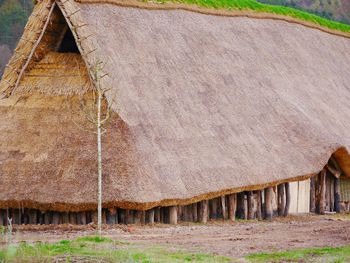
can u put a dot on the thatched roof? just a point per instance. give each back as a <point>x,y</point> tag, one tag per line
<point>206,105</point>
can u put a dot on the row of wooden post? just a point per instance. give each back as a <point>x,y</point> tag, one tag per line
<point>325,193</point>
<point>245,205</point>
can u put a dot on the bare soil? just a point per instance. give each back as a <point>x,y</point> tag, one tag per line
<point>235,239</point>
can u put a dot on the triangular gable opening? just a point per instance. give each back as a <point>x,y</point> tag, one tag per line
<point>57,67</point>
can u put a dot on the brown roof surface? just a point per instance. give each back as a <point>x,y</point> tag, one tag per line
<point>206,105</point>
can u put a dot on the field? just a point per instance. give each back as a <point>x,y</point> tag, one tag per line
<point>293,239</point>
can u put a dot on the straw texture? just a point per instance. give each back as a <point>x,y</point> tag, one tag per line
<point>206,105</point>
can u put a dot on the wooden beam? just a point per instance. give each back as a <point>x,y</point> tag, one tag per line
<point>268,203</point>
<point>203,211</point>
<point>173,215</point>
<point>250,202</point>
<point>280,200</point>
<point>232,204</point>
<point>288,198</point>
<point>241,214</point>
<point>313,194</point>
<point>337,195</point>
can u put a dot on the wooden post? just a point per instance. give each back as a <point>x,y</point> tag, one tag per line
<point>55,218</point>
<point>94,217</point>
<point>112,216</point>
<point>322,192</point>
<point>259,204</point>
<point>16,217</point>
<point>121,216</point>
<point>203,211</point>
<point>72,218</point>
<point>33,218</point>
<point>47,217</point>
<point>288,196</point>
<point>223,207</point>
<point>150,216</point>
<point>157,215</point>
<point>313,194</point>
<point>268,203</point>
<point>280,200</point>
<point>2,217</point>
<point>332,193</point>
<point>195,212</point>
<point>250,202</point>
<point>241,214</point>
<point>337,195</point>
<point>213,206</point>
<point>232,203</point>
<point>173,215</point>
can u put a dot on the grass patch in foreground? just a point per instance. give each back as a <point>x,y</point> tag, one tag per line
<point>327,254</point>
<point>95,248</point>
<point>260,7</point>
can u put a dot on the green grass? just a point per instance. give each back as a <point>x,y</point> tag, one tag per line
<point>96,248</point>
<point>260,7</point>
<point>335,255</point>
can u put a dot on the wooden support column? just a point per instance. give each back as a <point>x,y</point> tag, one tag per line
<point>94,217</point>
<point>55,218</point>
<point>195,212</point>
<point>259,204</point>
<point>173,215</point>
<point>268,203</point>
<point>331,192</point>
<point>72,218</point>
<point>232,203</point>
<point>280,200</point>
<point>213,207</point>
<point>112,216</point>
<point>157,215</point>
<point>241,214</point>
<point>33,217</point>
<point>288,197</point>
<point>337,195</point>
<point>322,192</point>
<point>121,216</point>
<point>203,211</point>
<point>2,217</point>
<point>223,207</point>
<point>250,205</point>
<point>150,216</point>
<point>16,219</point>
<point>313,194</point>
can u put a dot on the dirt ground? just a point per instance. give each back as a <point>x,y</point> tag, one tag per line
<point>235,239</point>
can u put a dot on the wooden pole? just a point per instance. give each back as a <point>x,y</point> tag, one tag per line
<point>55,218</point>
<point>241,214</point>
<point>288,197</point>
<point>203,211</point>
<point>213,205</point>
<point>280,200</point>
<point>250,202</point>
<point>157,215</point>
<point>195,212</point>
<point>313,194</point>
<point>223,207</point>
<point>232,203</point>
<point>268,203</point>
<point>331,177</point>
<point>150,216</point>
<point>2,217</point>
<point>337,195</point>
<point>259,204</point>
<point>173,215</point>
<point>322,192</point>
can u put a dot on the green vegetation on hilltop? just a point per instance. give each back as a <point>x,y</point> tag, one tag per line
<point>256,6</point>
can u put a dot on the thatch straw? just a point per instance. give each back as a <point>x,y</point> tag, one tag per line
<point>206,106</point>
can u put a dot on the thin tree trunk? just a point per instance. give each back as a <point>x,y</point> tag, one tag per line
<point>99,161</point>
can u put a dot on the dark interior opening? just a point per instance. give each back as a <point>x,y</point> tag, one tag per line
<point>68,44</point>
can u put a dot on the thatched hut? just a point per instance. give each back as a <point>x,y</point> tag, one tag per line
<point>209,104</point>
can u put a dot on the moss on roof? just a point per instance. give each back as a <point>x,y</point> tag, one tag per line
<point>260,7</point>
